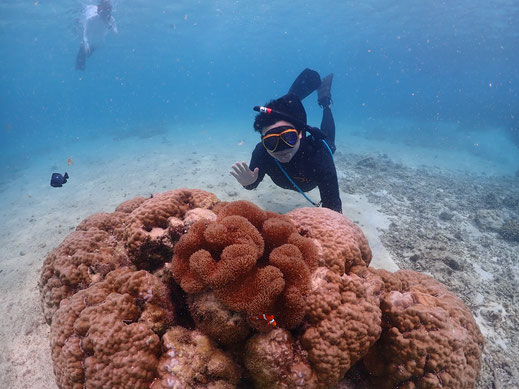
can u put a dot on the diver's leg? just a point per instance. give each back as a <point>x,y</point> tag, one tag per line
<point>324,98</point>
<point>324,92</point>
<point>328,128</point>
<point>307,81</point>
<point>82,55</point>
<point>90,50</point>
<point>81,58</point>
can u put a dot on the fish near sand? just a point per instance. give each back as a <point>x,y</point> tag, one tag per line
<point>57,180</point>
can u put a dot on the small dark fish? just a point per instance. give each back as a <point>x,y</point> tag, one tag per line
<point>57,180</point>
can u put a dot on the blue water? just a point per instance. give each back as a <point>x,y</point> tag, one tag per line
<point>204,64</point>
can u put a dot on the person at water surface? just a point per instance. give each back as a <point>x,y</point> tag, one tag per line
<point>97,21</point>
<point>292,158</point>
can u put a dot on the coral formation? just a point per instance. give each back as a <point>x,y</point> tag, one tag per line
<point>192,360</point>
<point>343,246</point>
<point>429,339</point>
<point>99,243</point>
<point>108,334</point>
<point>253,261</point>
<point>275,360</point>
<point>344,322</point>
<point>166,291</point>
<point>83,258</point>
<point>153,226</point>
<point>215,320</point>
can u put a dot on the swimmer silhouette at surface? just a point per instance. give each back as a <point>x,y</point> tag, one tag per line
<point>97,21</point>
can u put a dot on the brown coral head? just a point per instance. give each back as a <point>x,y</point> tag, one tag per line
<point>276,360</point>
<point>108,334</point>
<point>217,321</point>
<point>248,210</point>
<point>192,360</point>
<point>429,337</point>
<point>157,223</point>
<point>254,261</point>
<point>344,247</point>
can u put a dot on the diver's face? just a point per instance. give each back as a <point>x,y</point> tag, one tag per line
<point>286,155</point>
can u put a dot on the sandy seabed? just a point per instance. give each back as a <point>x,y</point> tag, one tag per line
<point>442,222</point>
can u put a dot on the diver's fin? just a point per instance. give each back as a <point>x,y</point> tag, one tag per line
<point>324,92</point>
<point>308,81</point>
<point>81,58</point>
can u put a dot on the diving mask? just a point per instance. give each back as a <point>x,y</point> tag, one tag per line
<point>287,134</point>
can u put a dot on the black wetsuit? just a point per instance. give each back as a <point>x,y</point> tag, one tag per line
<point>312,166</point>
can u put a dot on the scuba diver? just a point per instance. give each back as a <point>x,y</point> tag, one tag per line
<point>97,20</point>
<point>292,158</point>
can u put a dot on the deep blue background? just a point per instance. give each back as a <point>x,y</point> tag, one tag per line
<point>207,62</point>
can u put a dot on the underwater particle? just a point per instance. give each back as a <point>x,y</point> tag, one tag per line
<point>70,161</point>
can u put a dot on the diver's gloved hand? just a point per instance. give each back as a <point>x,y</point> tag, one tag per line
<point>243,174</point>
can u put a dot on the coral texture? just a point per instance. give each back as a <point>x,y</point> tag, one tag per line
<point>343,246</point>
<point>429,339</point>
<point>84,257</point>
<point>99,244</point>
<point>153,226</point>
<point>276,360</point>
<point>215,320</point>
<point>344,321</point>
<point>192,360</point>
<point>253,261</point>
<point>108,334</point>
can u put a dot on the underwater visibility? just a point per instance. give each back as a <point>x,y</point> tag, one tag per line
<point>243,194</point>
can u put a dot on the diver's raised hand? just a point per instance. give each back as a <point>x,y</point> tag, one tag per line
<point>243,174</point>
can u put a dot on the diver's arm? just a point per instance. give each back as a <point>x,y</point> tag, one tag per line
<point>256,167</point>
<point>243,174</point>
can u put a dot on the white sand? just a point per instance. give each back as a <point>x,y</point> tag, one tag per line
<point>36,218</point>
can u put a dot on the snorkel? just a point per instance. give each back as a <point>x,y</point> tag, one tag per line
<point>314,131</point>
